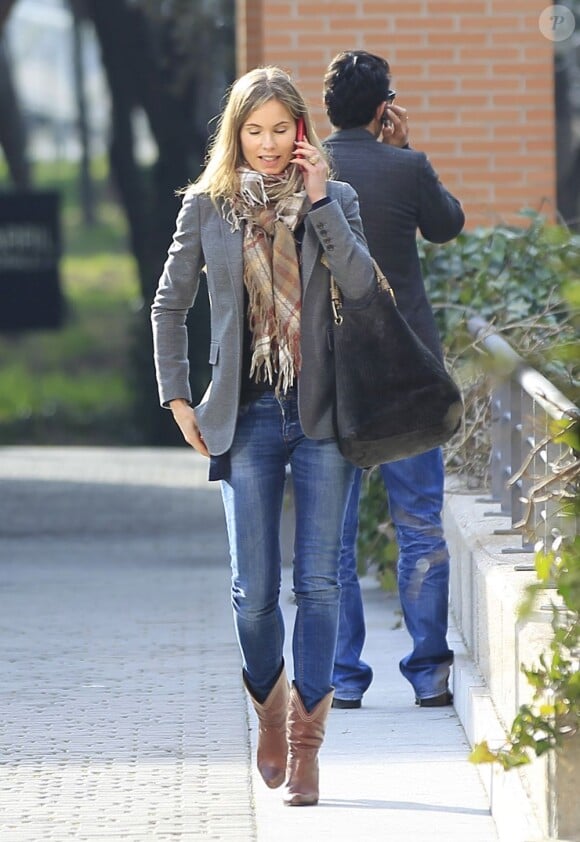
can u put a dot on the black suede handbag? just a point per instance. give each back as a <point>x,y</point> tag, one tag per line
<point>394,398</point>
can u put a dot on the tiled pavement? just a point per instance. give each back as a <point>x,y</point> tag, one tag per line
<point>122,715</point>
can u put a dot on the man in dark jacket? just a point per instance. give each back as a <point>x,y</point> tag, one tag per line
<point>399,194</point>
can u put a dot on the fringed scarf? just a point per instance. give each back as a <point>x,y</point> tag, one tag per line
<point>270,206</point>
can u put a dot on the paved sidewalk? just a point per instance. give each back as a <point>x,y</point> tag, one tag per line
<point>122,711</point>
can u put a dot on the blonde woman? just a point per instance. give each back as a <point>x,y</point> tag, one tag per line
<point>261,218</point>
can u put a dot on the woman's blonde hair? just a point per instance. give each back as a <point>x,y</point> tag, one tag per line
<point>219,180</point>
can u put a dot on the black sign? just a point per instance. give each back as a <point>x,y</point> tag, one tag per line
<point>30,295</point>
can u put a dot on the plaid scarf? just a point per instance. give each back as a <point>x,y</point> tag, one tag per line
<point>270,206</point>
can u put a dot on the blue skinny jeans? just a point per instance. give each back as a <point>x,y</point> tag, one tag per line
<point>268,438</point>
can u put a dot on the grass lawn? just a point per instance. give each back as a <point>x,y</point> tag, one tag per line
<point>72,385</point>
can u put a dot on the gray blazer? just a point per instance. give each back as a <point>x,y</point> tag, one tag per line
<point>202,237</point>
<point>399,193</point>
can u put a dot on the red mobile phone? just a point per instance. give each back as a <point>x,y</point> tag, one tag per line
<point>300,131</point>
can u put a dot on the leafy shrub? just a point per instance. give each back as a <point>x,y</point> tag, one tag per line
<point>503,274</point>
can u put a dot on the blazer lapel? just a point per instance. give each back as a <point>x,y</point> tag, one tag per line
<point>232,243</point>
<point>310,250</point>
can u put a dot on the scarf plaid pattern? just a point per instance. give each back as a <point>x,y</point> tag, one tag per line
<point>271,273</point>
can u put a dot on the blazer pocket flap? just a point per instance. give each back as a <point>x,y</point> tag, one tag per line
<point>214,352</point>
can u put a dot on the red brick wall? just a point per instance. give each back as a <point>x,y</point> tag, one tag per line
<point>476,76</point>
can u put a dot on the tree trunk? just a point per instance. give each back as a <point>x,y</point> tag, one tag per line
<point>112,25</point>
<point>134,73</point>
<point>87,193</point>
<point>5,9</point>
<point>12,128</point>
<point>148,195</point>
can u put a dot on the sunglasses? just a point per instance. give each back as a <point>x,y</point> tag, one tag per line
<point>390,96</point>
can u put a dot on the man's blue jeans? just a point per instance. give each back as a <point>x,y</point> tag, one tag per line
<point>415,491</point>
<point>268,437</point>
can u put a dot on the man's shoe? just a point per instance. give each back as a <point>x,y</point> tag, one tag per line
<point>346,704</point>
<point>440,701</point>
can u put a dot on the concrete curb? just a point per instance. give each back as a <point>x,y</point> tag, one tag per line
<point>486,590</point>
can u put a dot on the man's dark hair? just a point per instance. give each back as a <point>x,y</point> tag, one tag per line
<point>355,83</point>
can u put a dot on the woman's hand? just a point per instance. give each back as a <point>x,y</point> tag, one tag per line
<point>186,421</point>
<point>314,170</point>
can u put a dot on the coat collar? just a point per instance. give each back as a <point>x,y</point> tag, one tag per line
<point>359,133</point>
<point>232,242</point>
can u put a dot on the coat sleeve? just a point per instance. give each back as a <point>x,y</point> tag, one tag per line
<point>176,292</point>
<point>441,216</point>
<point>339,229</point>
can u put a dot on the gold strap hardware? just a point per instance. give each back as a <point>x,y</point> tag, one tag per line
<point>336,295</point>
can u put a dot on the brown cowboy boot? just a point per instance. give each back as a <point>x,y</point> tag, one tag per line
<point>305,735</point>
<point>272,740</point>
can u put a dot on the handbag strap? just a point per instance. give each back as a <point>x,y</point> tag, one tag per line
<point>336,295</point>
